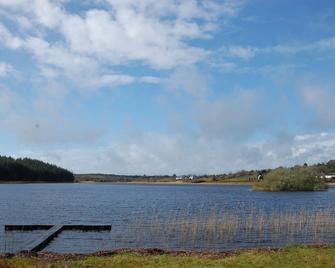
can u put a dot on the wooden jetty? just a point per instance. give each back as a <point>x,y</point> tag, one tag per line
<point>52,231</point>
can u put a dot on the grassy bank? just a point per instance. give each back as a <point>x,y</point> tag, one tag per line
<point>286,257</point>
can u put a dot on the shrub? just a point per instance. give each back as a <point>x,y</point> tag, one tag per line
<point>292,179</point>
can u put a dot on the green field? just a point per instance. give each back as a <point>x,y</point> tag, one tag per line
<point>294,256</point>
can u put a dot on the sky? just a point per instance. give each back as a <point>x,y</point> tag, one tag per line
<point>169,86</point>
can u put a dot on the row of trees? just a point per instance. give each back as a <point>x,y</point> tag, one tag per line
<point>26,169</point>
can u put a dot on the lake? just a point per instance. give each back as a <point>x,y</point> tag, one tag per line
<point>189,216</point>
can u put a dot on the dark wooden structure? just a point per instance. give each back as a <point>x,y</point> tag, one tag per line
<point>52,231</point>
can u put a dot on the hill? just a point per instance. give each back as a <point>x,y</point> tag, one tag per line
<point>243,176</point>
<point>30,170</point>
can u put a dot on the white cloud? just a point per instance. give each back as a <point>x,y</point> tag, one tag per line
<point>298,149</point>
<point>128,35</point>
<point>152,32</point>
<point>236,116</point>
<point>149,153</point>
<point>187,10</point>
<point>42,12</point>
<point>190,80</point>
<point>150,79</point>
<point>90,46</point>
<point>41,119</point>
<point>249,52</point>
<point>7,99</point>
<point>7,39</point>
<point>326,44</point>
<point>319,100</point>
<point>245,53</point>
<point>320,45</point>
<point>6,69</point>
<point>98,46</point>
<point>56,60</point>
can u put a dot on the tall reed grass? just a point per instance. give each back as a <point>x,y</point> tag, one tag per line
<point>228,229</point>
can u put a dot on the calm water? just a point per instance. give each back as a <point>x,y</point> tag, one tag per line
<point>134,209</point>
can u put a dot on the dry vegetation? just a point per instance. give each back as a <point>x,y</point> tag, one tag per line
<point>217,230</point>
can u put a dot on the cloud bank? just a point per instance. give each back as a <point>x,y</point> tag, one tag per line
<point>198,102</point>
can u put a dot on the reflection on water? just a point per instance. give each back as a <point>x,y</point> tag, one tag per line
<point>166,216</point>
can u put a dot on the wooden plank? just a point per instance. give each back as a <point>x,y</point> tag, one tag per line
<point>82,227</point>
<point>31,227</point>
<point>85,227</point>
<point>41,242</point>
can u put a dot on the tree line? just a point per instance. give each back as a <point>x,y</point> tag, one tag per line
<point>26,169</point>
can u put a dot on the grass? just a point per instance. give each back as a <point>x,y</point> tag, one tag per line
<point>288,257</point>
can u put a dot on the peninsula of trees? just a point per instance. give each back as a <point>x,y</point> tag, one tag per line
<point>30,170</point>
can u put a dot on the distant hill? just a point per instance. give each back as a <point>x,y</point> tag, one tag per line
<point>243,176</point>
<point>30,170</point>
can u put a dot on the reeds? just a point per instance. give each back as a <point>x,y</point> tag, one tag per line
<point>240,227</point>
<point>227,229</point>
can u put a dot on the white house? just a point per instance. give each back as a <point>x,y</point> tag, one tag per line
<point>178,178</point>
<point>329,176</point>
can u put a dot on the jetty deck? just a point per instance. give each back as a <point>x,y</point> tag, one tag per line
<point>51,232</point>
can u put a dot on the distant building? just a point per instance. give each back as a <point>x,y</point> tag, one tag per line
<point>178,178</point>
<point>329,176</point>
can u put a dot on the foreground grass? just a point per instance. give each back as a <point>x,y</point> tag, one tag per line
<point>287,257</point>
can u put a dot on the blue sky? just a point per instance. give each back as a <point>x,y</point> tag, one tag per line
<point>170,86</point>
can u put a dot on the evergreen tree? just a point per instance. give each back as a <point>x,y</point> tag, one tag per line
<point>26,169</point>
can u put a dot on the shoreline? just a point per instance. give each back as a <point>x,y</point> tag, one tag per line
<point>289,256</point>
<point>33,182</point>
<point>167,183</point>
<point>160,251</point>
<point>137,182</point>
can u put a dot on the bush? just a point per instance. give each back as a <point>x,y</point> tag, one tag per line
<point>292,179</point>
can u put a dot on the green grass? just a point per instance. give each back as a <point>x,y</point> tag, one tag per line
<point>289,257</point>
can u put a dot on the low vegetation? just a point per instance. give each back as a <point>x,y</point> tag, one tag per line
<point>289,257</point>
<point>222,229</point>
<point>292,179</point>
<point>26,169</point>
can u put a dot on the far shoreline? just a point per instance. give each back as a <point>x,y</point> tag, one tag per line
<point>331,184</point>
<point>33,182</point>
<point>127,182</point>
<point>167,182</point>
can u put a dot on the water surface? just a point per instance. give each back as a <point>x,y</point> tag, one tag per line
<point>133,209</point>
